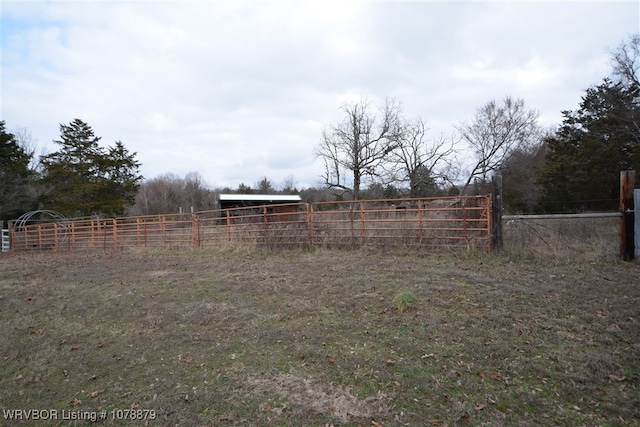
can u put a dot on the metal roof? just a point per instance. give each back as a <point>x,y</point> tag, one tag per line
<point>260,197</point>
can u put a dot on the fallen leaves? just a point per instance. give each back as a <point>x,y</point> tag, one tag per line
<point>96,393</point>
<point>496,376</point>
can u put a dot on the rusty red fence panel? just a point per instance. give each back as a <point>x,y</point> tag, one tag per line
<point>445,222</point>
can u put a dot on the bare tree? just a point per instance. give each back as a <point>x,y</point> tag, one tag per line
<point>495,132</point>
<point>27,143</point>
<point>626,61</point>
<point>626,69</point>
<point>520,191</point>
<point>169,193</point>
<point>197,195</point>
<point>289,184</point>
<point>354,148</point>
<point>418,161</point>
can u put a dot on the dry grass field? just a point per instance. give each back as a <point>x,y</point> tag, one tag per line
<point>293,338</point>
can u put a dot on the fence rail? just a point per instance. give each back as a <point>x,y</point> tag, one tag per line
<point>431,222</point>
<point>564,216</point>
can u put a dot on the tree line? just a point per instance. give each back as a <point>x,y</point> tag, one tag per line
<point>573,167</point>
<point>374,151</point>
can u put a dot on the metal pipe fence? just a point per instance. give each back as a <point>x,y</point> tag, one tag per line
<point>446,222</point>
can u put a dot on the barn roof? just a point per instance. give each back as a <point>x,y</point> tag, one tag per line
<point>272,198</point>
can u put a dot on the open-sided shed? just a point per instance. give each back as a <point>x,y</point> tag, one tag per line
<point>242,205</point>
<point>231,201</point>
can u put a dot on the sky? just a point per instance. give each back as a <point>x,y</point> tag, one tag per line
<point>241,90</point>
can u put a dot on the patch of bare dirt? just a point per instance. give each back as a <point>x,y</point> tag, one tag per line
<point>330,399</point>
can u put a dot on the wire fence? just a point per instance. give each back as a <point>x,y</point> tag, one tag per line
<point>447,222</point>
<point>588,236</point>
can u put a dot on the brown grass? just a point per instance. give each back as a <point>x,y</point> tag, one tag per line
<point>249,337</point>
<point>584,239</point>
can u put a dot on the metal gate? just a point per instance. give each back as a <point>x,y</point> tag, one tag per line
<point>6,244</point>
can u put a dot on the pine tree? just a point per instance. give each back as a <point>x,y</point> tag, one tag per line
<point>584,158</point>
<point>83,178</point>
<point>16,192</point>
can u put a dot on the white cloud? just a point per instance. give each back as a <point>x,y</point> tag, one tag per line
<point>241,90</point>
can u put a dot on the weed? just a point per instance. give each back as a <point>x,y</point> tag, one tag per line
<point>404,300</point>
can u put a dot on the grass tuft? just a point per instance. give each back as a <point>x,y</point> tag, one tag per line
<point>404,300</point>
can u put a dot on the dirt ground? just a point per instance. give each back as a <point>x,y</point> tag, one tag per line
<point>240,337</point>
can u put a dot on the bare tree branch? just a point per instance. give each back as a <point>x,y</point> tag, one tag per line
<point>418,161</point>
<point>358,144</point>
<point>495,132</point>
<point>626,61</point>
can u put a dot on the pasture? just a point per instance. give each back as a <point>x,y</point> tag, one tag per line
<point>295,338</point>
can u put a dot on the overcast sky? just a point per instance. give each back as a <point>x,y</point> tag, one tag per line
<point>240,90</point>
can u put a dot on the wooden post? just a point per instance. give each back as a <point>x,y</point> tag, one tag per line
<point>496,212</point>
<point>627,245</point>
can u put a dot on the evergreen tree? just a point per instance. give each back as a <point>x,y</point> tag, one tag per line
<point>83,178</point>
<point>584,158</point>
<point>16,191</point>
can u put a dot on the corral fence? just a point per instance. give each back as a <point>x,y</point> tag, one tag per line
<point>445,222</point>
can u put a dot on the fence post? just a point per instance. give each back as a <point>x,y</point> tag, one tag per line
<point>420,220</point>
<point>636,225</point>
<point>496,212</point>
<point>310,223</point>
<point>115,234</point>
<point>195,230</point>
<point>362,223</point>
<point>627,184</point>
<point>265,231</point>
